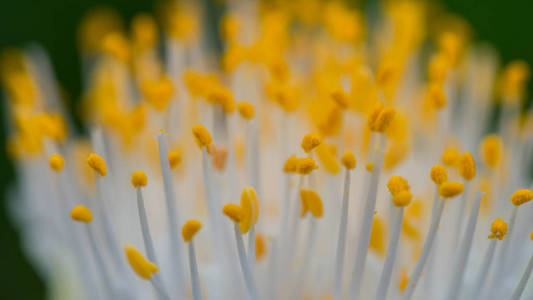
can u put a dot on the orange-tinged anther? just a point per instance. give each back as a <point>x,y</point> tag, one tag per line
<point>260,246</point>
<point>491,150</point>
<point>202,136</point>
<point>306,165</point>
<point>250,206</point>
<point>291,164</point>
<point>139,264</point>
<point>174,159</point>
<point>81,213</point>
<point>56,162</point>
<point>498,229</point>
<point>246,110</point>
<point>220,157</point>
<point>234,212</point>
<point>397,184</point>
<point>438,174</point>
<point>139,179</point>
<point>521,196</point>
<point>97,163</point>
<point>189,230</point>
<point>467,166</point>
<point>403,198</point>
<point>450,189</point>
<point>404,280</point>
<point>311,202</point>
<point>310,142</point>
<point>348,160</point>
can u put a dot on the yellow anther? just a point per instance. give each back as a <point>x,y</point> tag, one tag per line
<point>397,184</point>
<point>348,160</point>
<point>498,229</point>
<point>291,164</point>
<point>234,212</point>
<point>190,229</point>
<point>222,96</point>
<point>220,157</point>
<point>260,246</point>
<point>438,174</point>
<point>246,110</point>
<point>450,189</point>
<point>97,163</point>
<point>369,166</point>
<point>311,202</point>
<point>158,92</point>
<point>138,179</point>
<point>117,45</point>
<point>81,213</point>
<point>403,198</point>
<point>174,159</point>
<point>404,280</point>
<point>310,142</point>
<point>306,165</point>
<point>341,98</point>
<point>381,117</point>
<point>467,166</point>
<point>327,158</point>
<point>144,30</point>
<point>450,157</point>
<point>515,77</point>
<point>521,196</point>
<point>143,267</point>
<point>56,162</point>
<point>378,236</point>
<point>491,150</point>
<point>230,27</point>
<point>250,206</point>
<point>531,236</point>
<point>202,136</point>
<point>436,95</point>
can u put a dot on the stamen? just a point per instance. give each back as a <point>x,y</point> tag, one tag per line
<point>523,281</point>
<point>189,230</point>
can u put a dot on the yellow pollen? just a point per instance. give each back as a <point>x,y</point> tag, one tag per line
<point>403,198</point>
<point>139,179</point>
<point>467,166</point>
<point>450,189</point>
<point>404,280</point>
<point>310,142</point>
<point>81,213</point>
<point>234,212</point>
<point>381,117</point>
<point>436,96</point>
<point>158,92</point>
<point>327,158</point>
<point>306,165</point>
<point>56,162</point>
<point>491,150</point>
<point>378,237</point>
<point>369,166</point>
<point>498,229</point>
<point>220,157</point>
<point>531,236</point>
<point>521,196</point>
<point>190,229</point>
<point>438,174</point>
<point>397,184</point>
<point>260,247</point>
<point>250,206</point>
<point>311,202</point>
<point>291,164</point>
<point>97,163</point>
<point>174,159</point>
<point>202,136</point>
<point>450,157</point>
<point>341,98</point>
<point>246,110</point>
<point>348,160</point>
<point>139,264</point>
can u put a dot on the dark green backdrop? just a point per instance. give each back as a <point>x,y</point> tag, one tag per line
<point>53,23</point>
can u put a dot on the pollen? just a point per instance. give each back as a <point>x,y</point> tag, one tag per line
<point>397,184</point>
<point>403,198</point>
<point>450,157</point>
<point>97,163</point>
<point>246,110</point>
<point>491,150</point>
<point>139,179</point>
<point>202,136</point>
<point>436,95</point>
<point>310,142</point>
<point>369,167</point>
<point>348,160</point>
<point>260,246</point>
<point>174,158</point>
<point>404,280</point>
<point>189,230</point>
<point>234,212</point>
<point>311,202</point>
<point>450,189</point>
<point>250,206</point>
<point>327,158</point>
<point>306,165</point>
<point>81,213</point>
<point>521,196</point>
<point>381,118</point>
<point>139,263</point>
<point>438,174</point>
<point>56,162</point>
<point>467,166</point>
<point>341,98</point>
<point>291,164</point>
<point>498,229</point>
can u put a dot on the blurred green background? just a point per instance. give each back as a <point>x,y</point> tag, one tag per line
<point>53,24</point>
